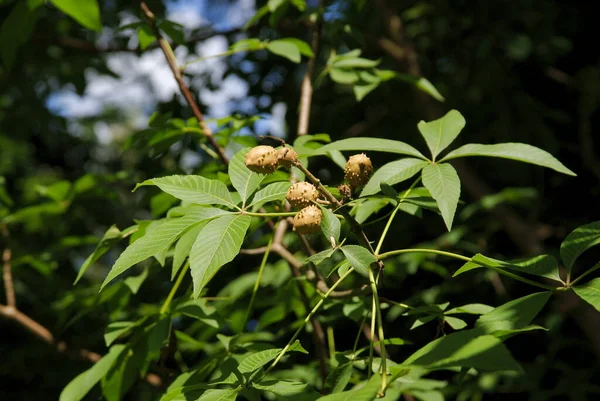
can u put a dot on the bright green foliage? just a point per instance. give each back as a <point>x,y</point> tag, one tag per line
<point>439,134</point>
<point>444,185</point>
<point>590,292</point>
<point>211,291</point>
<point>218,243</point>
<point>86,12</point>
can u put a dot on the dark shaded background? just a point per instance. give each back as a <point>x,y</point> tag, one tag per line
<point>522,71</point>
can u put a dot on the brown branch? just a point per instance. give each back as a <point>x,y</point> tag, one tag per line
<point>307,86</point>
<point>45,335</point>
<point>183,87</point>
<point>7,271</point>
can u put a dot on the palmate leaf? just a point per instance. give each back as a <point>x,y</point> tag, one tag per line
<point>515,151</point>
<point>393,173</point>
<point>272,192</point>
<point>542,265</point>
<point>578,241</point>
<point>242,179</point>
<point>366,393</point>
<point>84,382</point>
<point>441,132</point>
<point>183,247</point>
<point>259,359</point>
<point>469,349</point>
<point>444,185</point>
<point>218,243</point>
<point>200,393</point>
<point>158,240</point>
<point>86,12</point>
<point>513,315</point>
<point>360,258</point>
<point>372,144</point>
<point>110,238</point>
<point>590,292</point>
<point>193,189</point>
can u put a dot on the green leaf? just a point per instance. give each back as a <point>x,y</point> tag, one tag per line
<point>242,179</point>
<point>86,12</point>
<point>515,151</point>
<point>146,37</point>
<point>115,330</point>
<point>84,382</point>
<point>285,48</point>
<point>183,247</point>
<point>338,378</point>
<point>16,30</point>
<point>440,133</point>
<point>467,267</point>
<point>464,349</point>
<point>200,393</point>
<point>590,292</point>
<point>354,62</point>
<point>331,225</point>
<point>111,237</point>
<point>272,192</point>
<point>366,393</point>
<point>158,240</point>
<point>135,282</point>
<point>218,243</point>
<point>455,323</point>
<point>471,309</point>
<point>444,185</point>
<point>360,258</point>
<point>393,173</point>
<point>578,241</point>
<point>370,144</point>
<point>198,309</point>
<point>193,189</point>
<point>542,265</point>
<point>513,315</point>
<point>174,30</point>
<point>287,390</point>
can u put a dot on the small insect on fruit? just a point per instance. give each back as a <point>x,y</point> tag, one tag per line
<point>308,220</point>
<point>287,157</point>
<point>302,194</point>
<point>262,159</point>
<point>358,170</point>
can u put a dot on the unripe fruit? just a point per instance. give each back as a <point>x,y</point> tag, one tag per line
<point>302,194</point>
<point>262,159</point>
<point>358,170</point>
<point>308,220</point>
<point>287,157</point>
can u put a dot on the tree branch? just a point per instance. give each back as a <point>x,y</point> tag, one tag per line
<point>307,86</point>
<point>7,271</point>
<point>183,87</point>
<point>12,313</point>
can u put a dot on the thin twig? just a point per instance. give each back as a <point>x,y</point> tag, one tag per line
<point>9,287</point>
<point>307,85</point>
<point>45,335</point>
<point>183,87</point>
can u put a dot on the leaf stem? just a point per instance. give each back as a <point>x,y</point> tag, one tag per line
<point>257,284</point>
<point>590,270</point>
<point>423,250</point>
<point>308,317</point>
<point>380,332</point>
<point>393,215</point>
<point>175,287</point>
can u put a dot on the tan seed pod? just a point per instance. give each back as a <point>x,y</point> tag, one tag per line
<point>287,157</point>
<point>358,170</point>
<point>308,220</point>
<point>262,159</point>
<point>345,192</point>
<point>302,194</point>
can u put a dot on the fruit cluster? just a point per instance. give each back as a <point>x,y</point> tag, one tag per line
<point>304,195</point>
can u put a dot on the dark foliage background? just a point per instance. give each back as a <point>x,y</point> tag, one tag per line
<point>522,71</point>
